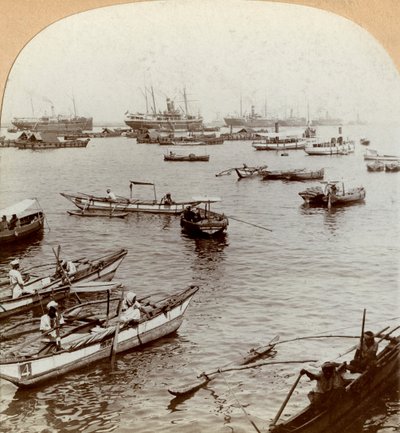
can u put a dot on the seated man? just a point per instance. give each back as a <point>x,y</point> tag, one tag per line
<point>111,196</point>
<point>188,214</point>
<point>50,322</point>
<point>365,355</point>
<point>167,199</point>
<point>131,309</point>
<point>330,384</point>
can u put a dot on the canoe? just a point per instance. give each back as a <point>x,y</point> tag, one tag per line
<point>30,220</point>
<point>305,174</point>
<point>87,201</point>
<point>376,166</point>
<point>190,158</point>
<point>356,397</point>
<point>333,194</point>
<point>53,286</point>
<point>88,343</point>
<point>244,172</point>
<point>97,213</point>
<point>204,222</point>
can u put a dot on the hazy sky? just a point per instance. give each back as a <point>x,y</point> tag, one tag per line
<point>278,56</point>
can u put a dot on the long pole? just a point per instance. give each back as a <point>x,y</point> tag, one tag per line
<point>115,341</point>
<point>362,334</point>
<point>286,400</point>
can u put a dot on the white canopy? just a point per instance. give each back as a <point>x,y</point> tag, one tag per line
<point>21,209</point>
<point>206,199</point>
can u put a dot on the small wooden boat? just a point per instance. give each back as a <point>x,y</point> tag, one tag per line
<point>305,174</point>
<point>334,194</point>
<point>28,219</point>
<point>376,166</point>
<point>89,342</point>
<point>372,154</point>
<point>354,400</point>
<point>204,222</point>
<point>392,166</point>
<point>245,171</point>
<point>97,213</point>
<point>336,146</point>
<point>38,291</point>
<point>128,204</point>
<point>280,144</point>
<point>190,158</point>
<point>295,174</point>
<point>364,141</point>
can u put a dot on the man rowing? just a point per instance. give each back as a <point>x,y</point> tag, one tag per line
<point>365,355</point>
<point>330,383</point>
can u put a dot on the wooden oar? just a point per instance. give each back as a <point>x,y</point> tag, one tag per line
<point>204,378</point>
<point>286,400</point>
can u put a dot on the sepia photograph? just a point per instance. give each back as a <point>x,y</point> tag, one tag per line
<point>199,206</point>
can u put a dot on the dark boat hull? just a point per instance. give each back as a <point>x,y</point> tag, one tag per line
<point>356,397</point>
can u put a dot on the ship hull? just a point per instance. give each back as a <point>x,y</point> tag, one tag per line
<point>183,125</point>
<point>72,125</point>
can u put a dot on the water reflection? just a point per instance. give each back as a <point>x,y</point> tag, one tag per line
<point>25,247</point>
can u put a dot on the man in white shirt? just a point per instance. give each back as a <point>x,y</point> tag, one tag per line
<point>51,320</point>
<point>111,196</point>
<point>16,281</point>
<point>131,308</point>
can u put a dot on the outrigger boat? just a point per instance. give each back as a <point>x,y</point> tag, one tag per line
<point>245,171</point>
<point>40,290</point>
<point>30,220</point>
<point>204,222</point>
<point>122,204</point>
<point>94,340</point>
<point>334,194</point>
<point>97,213</point>
<point>356,397</point>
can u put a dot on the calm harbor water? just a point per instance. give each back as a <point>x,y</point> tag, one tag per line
<point>312,275</point>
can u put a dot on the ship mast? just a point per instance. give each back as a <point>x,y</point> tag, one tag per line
<point>33,111</point>
<point>240,105</point>
<point>185,100</point>
<point>154,102</point>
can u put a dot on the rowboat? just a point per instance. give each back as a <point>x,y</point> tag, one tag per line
<point>204,222</point>
<point>88,342</point>
<point>190,158</point>
<point>392,166</point>
<point>304,174</point>
<point>334,194</point>
<point>128,204</point>
<point>355,398</point>
<point>53,286</point>
<point>280,144</point>
<point>336,146</point>
<point>376,166</point>
<point>371,154</point>
<point>246,171</point>
<point>364,141</point>
<point>97,213</point>
<point>28,219</point>
<point>296,174</point>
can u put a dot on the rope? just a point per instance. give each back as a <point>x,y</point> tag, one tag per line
<point>241,406</point>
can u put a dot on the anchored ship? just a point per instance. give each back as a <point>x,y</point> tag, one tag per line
<point>58,124</point>
<point>170,119</point>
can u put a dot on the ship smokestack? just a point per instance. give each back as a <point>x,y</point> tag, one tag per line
<point>276,126</point>
<point>252,111</point>
<point>340,130</point>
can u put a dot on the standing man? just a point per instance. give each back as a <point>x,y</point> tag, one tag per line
<point>16,281</point>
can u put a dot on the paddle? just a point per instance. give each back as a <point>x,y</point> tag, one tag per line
<point>286,400</point>
<point>204,378</point>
